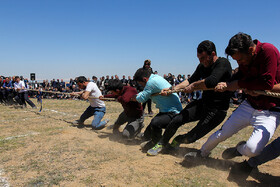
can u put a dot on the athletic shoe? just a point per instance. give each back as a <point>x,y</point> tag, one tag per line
<point>240,171</point>
<point>232,151</point>
<point>145,146</point>
<point>150,114</point>
<point>142,137</point>
<point>106,121</point>
<point>172,148</point>
<point>155,150</point>
<point>78,123</point>
<point>193,159</point>
<point>175,145</point>
<point>194,154</point>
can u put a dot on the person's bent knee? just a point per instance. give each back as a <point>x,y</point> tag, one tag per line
<point>126,134</point>
<point>249,150</point>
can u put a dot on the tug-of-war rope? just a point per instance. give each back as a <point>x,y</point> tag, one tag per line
<point>71,94</point>
<point>260,92</point>
<point>39,97</point>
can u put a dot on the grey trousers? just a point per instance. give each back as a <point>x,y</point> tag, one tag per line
<point>133,127</point>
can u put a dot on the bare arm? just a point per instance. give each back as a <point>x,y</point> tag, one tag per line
<point>85,95</point>
<point>183,84</point>
<point>197,85</point>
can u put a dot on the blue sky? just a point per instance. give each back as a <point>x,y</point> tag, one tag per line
<point>69,38</point>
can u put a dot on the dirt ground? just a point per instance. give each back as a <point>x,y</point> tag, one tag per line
<point>44,149</point>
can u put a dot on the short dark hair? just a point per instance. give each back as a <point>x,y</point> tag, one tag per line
<point>115,84</point>
<point>239,43</point>
<point>16,77</point>
<point>206,46</point>
<point>94,77</point>
<point>141,73</point>
<point>81,79</point>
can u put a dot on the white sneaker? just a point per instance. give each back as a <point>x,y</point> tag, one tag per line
<point>77,122</point>
<point>106,121</point>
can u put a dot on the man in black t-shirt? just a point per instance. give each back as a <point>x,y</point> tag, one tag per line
<point>210,110</point>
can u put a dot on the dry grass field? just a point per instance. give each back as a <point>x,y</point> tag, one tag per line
<point>44,149</point>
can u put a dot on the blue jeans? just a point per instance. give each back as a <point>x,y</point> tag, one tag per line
<point>98,113</point>
<point>270,152</point>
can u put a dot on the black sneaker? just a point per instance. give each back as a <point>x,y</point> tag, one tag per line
<point>78,123</point>
<point>193,159</point>
<point>194,154</point>
<point>145,146</point>
<point>172,148</point>
<point>240,171</point>
<point>142,137</point>
<point>232,152</point>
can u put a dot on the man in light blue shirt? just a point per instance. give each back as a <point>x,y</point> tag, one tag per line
<point>168,106</point>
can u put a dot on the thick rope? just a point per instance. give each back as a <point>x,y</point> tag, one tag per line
<point>63,93</point>
<point>260,92</point>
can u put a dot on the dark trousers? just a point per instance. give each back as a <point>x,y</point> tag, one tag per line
<point>2,96</point>
<point>23,97</point>
<point>149,102</point>
<point>159,122</point>
<point>8,97</point>
<point>209,118</point>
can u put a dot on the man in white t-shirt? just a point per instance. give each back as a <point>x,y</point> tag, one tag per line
<point>22,95</point>
<point>96,108</point>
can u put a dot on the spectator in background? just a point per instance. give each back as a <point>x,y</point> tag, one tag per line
<point>8,91</point>
<point>102,85</point>
<point>1,90</point>
<point>147,66</point>
<point>170,79</point>
<point>71,83</point>
<point>62,85</point>
<point>94,79</point>
<point>124,81</point>
<point>131,82</point>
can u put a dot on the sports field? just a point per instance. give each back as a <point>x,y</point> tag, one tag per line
<point>44,149</point>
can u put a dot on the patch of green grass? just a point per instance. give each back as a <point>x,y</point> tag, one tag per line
<point>168,181</point>
<point>201,181</point>
<point>38,181</point>
<point>88,180</point>
<point>7,145</point>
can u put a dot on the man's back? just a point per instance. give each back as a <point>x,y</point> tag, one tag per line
<point>154,85</point>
